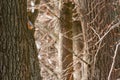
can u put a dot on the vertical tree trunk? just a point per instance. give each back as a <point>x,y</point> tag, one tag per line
<point>104,57</point>
<point>83,4</point>
<point>77,48</point>
<point>96,19</point>
<point>65,42</point>
<point>18,56</point>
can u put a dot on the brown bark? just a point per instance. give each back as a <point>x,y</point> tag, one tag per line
<point>65,42</point>
<point>105,54</point>
<point>77,48</point>
<point>83,10</point>
<point>18,55</point>
<point>99,18</point>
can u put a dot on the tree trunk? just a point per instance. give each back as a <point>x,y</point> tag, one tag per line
<point>85,65</point>
<point>65,43</point>
<point>18,55</point>
<point>77,48</point>
<point>104,57</point>
<point>96,19</point>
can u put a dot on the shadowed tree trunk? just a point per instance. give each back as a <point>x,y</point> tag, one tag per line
<point>18,55</point>
<point>65,42</point>
<point>77,48</point>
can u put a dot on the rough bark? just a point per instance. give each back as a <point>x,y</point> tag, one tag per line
<point>65,42</point>
<point>105,55</point>
<point>18,55</point>
<point>96,17</point>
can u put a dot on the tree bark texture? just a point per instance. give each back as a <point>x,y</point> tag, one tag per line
<point>85,66</point>
<point>77,48</point>
<point>98,16</point>
<point>18,55</point>
<point>104,57</point>
<point>65,42</point>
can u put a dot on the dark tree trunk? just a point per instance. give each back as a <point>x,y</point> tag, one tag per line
<point>65,42</point>
<point>18,55</point>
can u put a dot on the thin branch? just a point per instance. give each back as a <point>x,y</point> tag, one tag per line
<point>95,32</point>
<point>95,57</point>
<point>112,66</point>
<point>77,56</point>
<point>48,69</point>
<point>111,28</point>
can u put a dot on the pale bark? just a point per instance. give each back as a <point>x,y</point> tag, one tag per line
<point>86,56</point>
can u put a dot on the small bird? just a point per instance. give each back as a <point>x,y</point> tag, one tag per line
<point>30,25</point>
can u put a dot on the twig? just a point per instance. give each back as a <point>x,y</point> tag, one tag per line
<point>112,27</point>
<point>77,56</point>
<point>48,69</point>
<point>112,66</point>
<point>95,32</point>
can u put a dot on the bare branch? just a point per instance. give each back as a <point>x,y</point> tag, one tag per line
<point>115,54</point>
<point>111,28</point>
